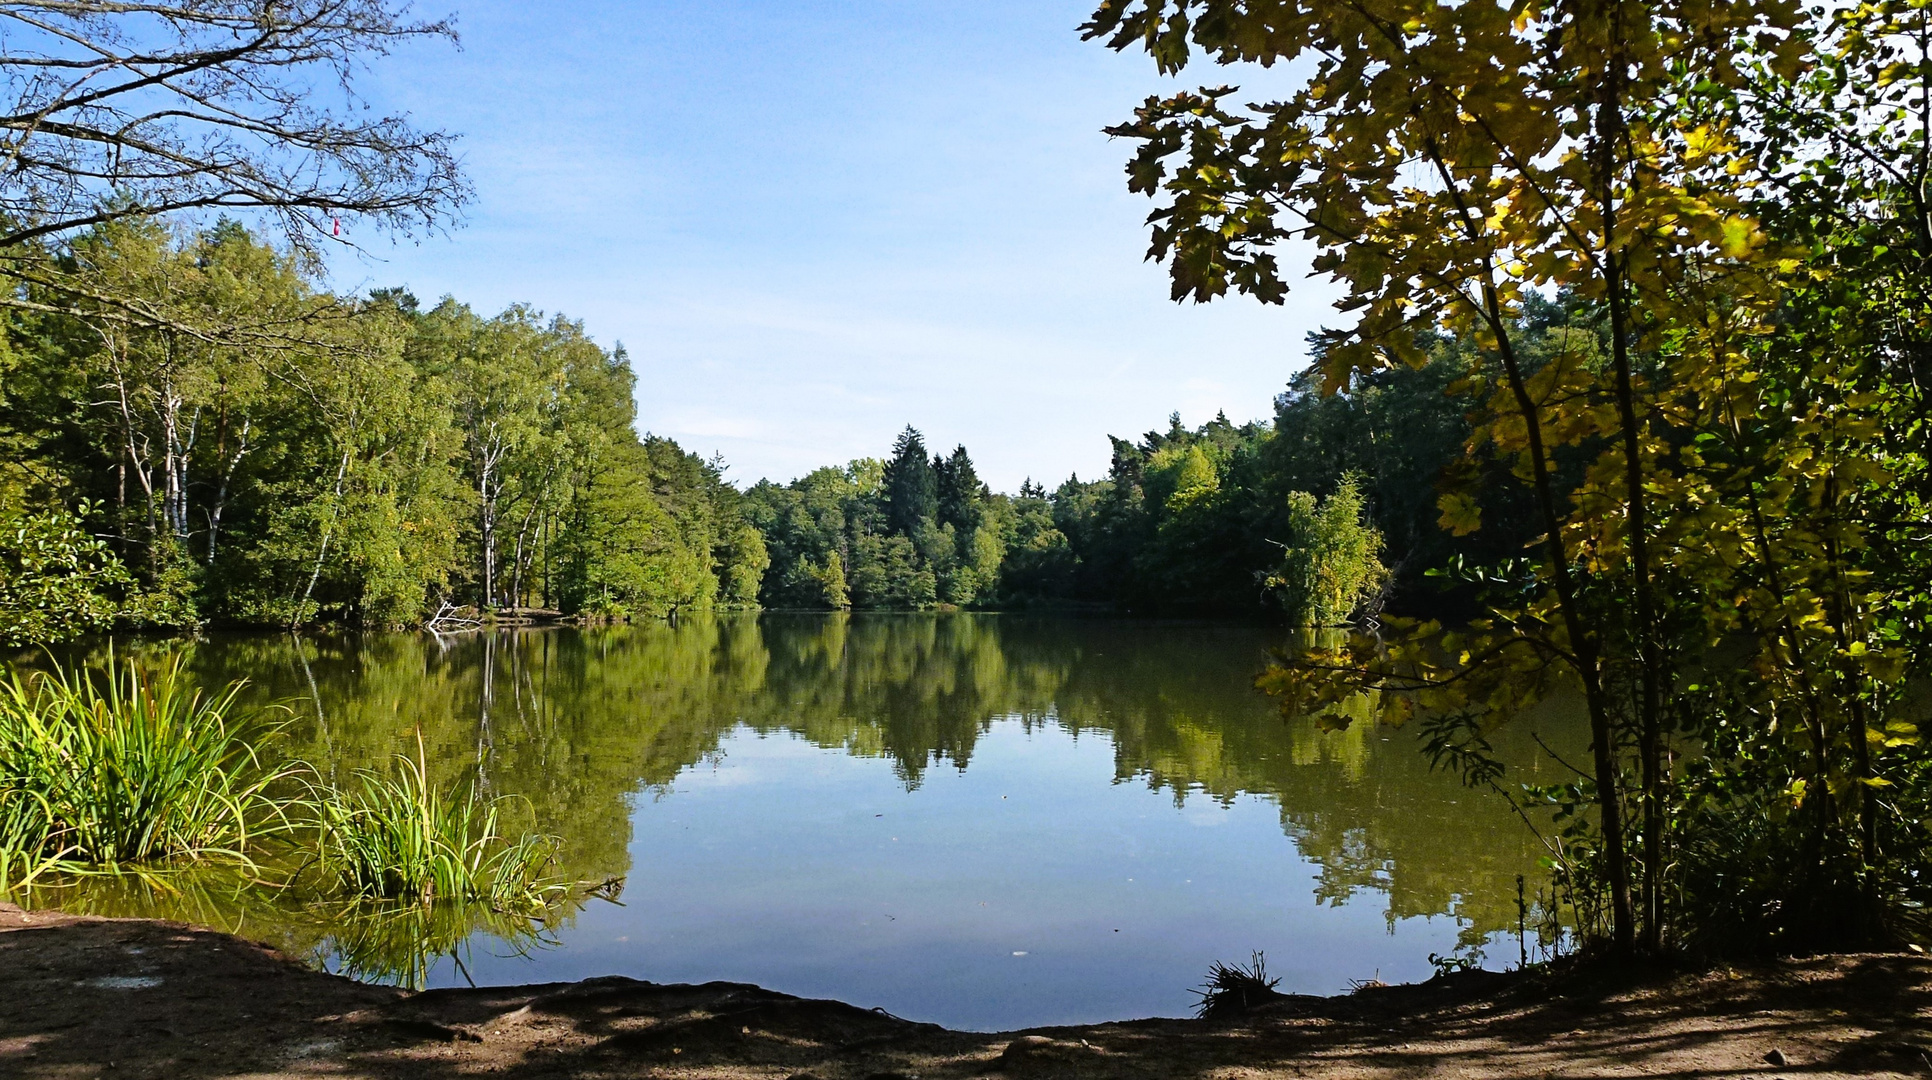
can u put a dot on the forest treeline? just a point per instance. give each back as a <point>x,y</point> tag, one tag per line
<point>1214,519</point>
<point>1330,505</point>
<point>260,451</point>
<point>372,461</point>
<point>368,460</point>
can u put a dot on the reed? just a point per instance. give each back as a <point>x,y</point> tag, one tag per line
<point>396,837</point>
<point>133,777</point>
<point>130,766</point>
<point>24,854</point>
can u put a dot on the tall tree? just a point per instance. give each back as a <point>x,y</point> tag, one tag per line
<point>957,491</point>
<point>911,488</point>
<point>1448,160</point>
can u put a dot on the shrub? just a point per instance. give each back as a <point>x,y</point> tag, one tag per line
<point>56,581</point>
<point>1331,565</point>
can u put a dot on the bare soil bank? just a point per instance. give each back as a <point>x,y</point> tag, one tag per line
<point>85,997</point>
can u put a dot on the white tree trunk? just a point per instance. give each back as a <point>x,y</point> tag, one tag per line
<point>328,532</point>
<point>220,503</point>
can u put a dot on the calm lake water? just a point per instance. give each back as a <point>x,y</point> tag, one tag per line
<point>982,821</point>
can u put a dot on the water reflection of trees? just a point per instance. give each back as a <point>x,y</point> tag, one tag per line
<point>580,723</point>
<point>398,943</point>
<point>1362,803</point>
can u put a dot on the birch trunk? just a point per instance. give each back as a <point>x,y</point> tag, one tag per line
<point>489,485</point>
<point>227,477</point>
<point>134,441</point>
<point>328,532</point>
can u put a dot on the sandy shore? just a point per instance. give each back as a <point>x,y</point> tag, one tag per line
<point>86,997</point>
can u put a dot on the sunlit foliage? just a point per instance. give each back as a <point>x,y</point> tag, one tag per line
<point>1719,456</point>
<point>275,454</point>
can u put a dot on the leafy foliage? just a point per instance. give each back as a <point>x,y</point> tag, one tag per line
<point>1716,461</point>
<point>1185,521</point>
<point>56,581</point>
<point>908,533</point>
<point>350,459</point>
<point>1330,568</point>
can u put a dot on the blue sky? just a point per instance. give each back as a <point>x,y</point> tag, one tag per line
<point>813,223</point>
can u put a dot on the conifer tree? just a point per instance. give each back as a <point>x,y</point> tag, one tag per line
<point>911,489</point>
<point>958,491</point>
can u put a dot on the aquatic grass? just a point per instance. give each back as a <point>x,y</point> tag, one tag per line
<point>24,854</point>
<point>129,767</point>
<point>396,837</point>
<point>129,791</point>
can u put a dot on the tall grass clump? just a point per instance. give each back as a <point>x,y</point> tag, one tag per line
<point>127,766</point>
<point>24,854</point>
<point>395,837</point>
<point>1232,989</point>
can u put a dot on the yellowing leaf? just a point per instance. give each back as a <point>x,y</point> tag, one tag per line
<point>1738,234</point>
<point>1460,514</point>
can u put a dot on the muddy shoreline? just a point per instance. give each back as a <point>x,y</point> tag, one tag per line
<point>92,997</point>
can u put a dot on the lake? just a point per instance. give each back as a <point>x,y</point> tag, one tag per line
<point>984,821</point>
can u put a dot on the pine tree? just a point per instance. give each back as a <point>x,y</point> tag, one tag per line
<point>959,492</point>
<point>911,488</point>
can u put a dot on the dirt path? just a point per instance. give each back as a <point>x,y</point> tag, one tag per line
<point>84,997</point>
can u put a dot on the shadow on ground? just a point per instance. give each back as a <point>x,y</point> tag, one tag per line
<point>90,997</point>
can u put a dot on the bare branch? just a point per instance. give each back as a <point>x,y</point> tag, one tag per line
<point>123,110</point>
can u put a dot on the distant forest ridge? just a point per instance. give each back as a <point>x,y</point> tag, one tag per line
<point>1186,521</point>
<point>1208,520</point>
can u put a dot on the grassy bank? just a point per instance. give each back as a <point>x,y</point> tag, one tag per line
<point>127,781</point>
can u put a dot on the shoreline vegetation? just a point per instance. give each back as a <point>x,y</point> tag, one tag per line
<point>1633,403</point>
<point>428,466</point>
<point>134,776</point>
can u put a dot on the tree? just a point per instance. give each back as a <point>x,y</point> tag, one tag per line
<point>910,532</point>
<point>1037,564</point>
<point>957,491</point>
<point>129,111</point>
<point>1565,146</point>
<point>350,469</point>
<point>911,488</point>
<point>1330,566</point>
